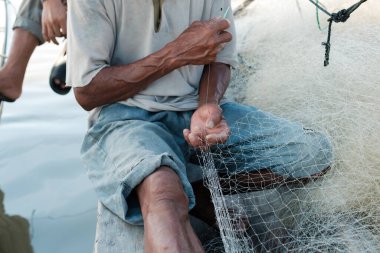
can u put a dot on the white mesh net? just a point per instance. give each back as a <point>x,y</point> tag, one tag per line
<point>282,72</point>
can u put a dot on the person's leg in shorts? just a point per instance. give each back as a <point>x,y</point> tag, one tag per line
<point>27,36</point>
<point>277,150</point>
<point>136,161</point>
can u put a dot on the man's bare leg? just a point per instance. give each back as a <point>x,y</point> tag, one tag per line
<point>12,74</point>
<point>164,206</point>
<point>242,183</point>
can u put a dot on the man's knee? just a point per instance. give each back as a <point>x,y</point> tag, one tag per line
<point>162,185</point>
<point>316,157</point>
<point>322,148</point>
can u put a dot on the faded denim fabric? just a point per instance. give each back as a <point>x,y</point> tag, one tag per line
<point>126,144</point>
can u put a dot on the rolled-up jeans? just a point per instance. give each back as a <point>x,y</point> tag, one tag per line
<point>29,18</point>
<point>127,144</point>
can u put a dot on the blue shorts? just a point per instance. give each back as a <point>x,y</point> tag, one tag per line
<point>29,18</point>
<point>126,144</point>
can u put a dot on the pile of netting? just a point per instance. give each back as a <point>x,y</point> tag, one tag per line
<point>282,72</point>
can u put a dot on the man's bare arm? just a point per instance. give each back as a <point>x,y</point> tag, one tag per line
<point>197,45</point>
<point>214,82</point>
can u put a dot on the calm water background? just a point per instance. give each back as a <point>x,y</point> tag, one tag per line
<point>40,168</point>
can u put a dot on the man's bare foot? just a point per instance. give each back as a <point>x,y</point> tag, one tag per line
<point>10,84</point>
<point>12,74</point>
<point>165,210</point>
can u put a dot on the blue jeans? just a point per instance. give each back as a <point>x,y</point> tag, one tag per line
<point>126,144</point>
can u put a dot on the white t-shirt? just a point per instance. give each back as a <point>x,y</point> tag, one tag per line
<point>104,33</point>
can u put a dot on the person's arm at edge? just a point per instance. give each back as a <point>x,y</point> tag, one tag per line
<point>53,20</point>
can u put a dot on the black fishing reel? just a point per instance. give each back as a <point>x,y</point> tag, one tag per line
<point>57,79</point>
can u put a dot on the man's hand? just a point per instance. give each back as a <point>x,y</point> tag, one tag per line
<point>207,127</point>
<point>200,43</point>
<point>53,20</point>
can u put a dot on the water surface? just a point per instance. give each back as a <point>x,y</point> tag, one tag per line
<point>40,168</point>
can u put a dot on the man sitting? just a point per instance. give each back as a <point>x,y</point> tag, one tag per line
<point>154,76</point>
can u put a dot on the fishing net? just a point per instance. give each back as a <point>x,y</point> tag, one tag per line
<point>282,72</point>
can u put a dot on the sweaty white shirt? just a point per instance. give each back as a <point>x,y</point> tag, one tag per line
<point>104,33</point>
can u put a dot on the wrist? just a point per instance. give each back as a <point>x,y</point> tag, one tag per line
<point>44,2</point>
<point>209,102</point>
<point>163,60</point>
<point>174,52</point>
<point>214,105</point>
<point>48,1</point>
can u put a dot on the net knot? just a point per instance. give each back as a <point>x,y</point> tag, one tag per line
<point>340,16</point>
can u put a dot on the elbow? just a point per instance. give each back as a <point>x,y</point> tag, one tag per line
<point>84,98</point>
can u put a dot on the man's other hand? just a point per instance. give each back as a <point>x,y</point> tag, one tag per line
<point>53,20</point>
<point>202,40</point>
<point>207,127</point>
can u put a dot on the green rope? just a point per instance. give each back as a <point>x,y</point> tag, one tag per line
<point>317,15</point>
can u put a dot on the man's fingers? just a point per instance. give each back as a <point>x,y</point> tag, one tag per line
<point>54,40</point>
<point>186,133</point>
<point>217,138</point>
<point>219,24</point>
<point>221,47</point>
<point>48,33</point>
<point>57,30</point>
<point>51,32</point>
<point>196,136</point>
<point>44,33</point>
<point>224,37</point>
<point>64,29</point>
<point>195,140</point>
<point>214,119</point>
